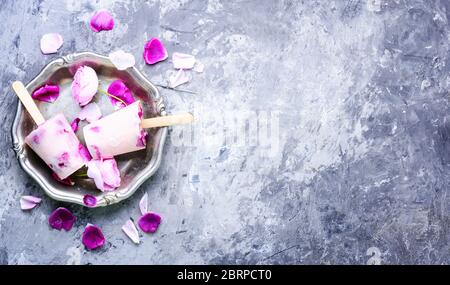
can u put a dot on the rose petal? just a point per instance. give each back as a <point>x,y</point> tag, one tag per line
<point>61,218</point>
<point>149,222</point>
<point>143,204</point>
<point>91,112</point>
<point>74,124</point>
<point>102,21</point>
<point>154,51</point>
<point>199,67</point>
<point>66,181</point>
<point>50,43</point>
<point>142,139</point>
<point>84,152</point>
<point>122,60</point>
<point>29,202</point>
<point>118,89</point>
<point>93,237</point>
<point>105,173</point>
<point>47,93</point>
<point>84,85</point>
<point>89,200</point>
<point>179,78</point>
<point>130,230</point>
<point>182,60</point>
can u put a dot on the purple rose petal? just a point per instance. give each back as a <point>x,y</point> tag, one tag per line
<point>149,222</point>
<point>74,124</point>
<point>121,91</point>
<point>91,112</point>
<point>105,173</point>
<point>66,181</point>
<point>47,93</point>
<point>84,85</point>
<point>29,202</point>
<point>50,43</point>
<point>89,200</point>
<point>143,204</point>
<point>102,21</point>
<point>61,218</point>
<point>154,51</point>
<point>130,230</point>
<point>93,237</point>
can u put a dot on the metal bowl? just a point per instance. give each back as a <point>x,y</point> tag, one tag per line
<point>134,167</point>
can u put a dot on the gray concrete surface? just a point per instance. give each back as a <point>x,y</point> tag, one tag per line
<point>360,93</point>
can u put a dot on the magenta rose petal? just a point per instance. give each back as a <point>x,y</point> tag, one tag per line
<point>89,200</point>
<point>105,173</point>
<point>74,124</point>
<point>130,230</point>
<point>149,222</point>
<point>61,218</point>
<point>84,153</point>
<point>102,21</point>
<point>47,93</point>
<point>122,60</point>
<point>119,90</point>
<point>66,181</point>
<point>91,112</point>
<point>142,139</point>
<point>154,51</point>
<point>143,204</point>
<point>50,43</point>
<point>183,61</point>
<point>84,85</point>
<point>29,202</point>
<point>179,78</point>
<point>93,237</point>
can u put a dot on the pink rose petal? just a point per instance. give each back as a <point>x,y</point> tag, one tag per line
<point>183,61</point>
<point>47,93</point>
<point>105,173</point>
<point>154,51</point>
<point>91,112</point>
<point>102,21</point>
<point>179,78</point>
<point>143,204</point>
<point>199,67</point>
<point>130,230</point>
<point>89,200</point>
<point>118,89</point>
<point>74,124</point>
<point>61,218</point>
<point>84,153</point>
<point>29,202</point>
<point>66,181</point>
<point>84,85</point>
<point>50,43</point>
<point>149,222</point>
<point>122,60</point>
<point>93,237</point>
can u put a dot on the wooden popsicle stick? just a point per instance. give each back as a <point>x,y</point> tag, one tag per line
<point>164,121</point>
<point>28,102</point>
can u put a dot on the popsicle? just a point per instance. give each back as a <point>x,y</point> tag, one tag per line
<point>123,131</point>
<point>54,140</point>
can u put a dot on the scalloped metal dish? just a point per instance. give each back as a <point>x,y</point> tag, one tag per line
<point>134,167</point>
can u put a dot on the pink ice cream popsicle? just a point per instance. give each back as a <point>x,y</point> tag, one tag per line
<point>123,131</point>
<point>54,140</point>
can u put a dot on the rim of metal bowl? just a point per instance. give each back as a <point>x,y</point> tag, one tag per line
<point>75,197</point>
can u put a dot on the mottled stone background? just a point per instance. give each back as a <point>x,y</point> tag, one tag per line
<point>362,171</point>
